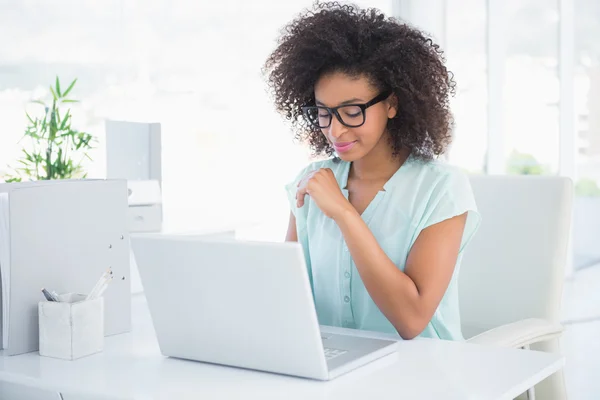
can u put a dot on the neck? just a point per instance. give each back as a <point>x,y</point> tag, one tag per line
<point>379,164</point>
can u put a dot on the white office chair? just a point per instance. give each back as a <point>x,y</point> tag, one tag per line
<point>512,274</point>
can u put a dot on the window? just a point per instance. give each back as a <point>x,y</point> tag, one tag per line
<point>227,154</point>
<point>586,229</point>
<point>531,87</point>
<point>42,46</point>
<point>467,59</point>
<point>526,100</point>
<point>193,66</point>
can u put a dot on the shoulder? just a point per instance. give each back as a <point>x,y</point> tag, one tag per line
<point>335,165</point>
<point>442,192</point>
<point>436,177</point>
<point>434,189</point>
<point>332,163</point>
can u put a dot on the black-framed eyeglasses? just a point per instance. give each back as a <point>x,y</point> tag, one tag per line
<point>350,115</point>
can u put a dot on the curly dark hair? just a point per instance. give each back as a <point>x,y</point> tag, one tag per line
<point>334,37</point>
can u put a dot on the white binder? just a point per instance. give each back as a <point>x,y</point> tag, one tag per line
<point>61,235</point>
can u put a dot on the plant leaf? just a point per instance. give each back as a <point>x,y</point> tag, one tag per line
<point>58,87</point>
<point>32,133</point>
<point>53,93</point>
<point>65,120</point>
<point>67,134</point>
<point>53,140</point>
<point>53,128</point>
<point>69,88</point>
<point>28,156</point>
<point>44,126</point>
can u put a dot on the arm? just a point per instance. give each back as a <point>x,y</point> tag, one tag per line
<point>408,299</point>
<point>291,235</point>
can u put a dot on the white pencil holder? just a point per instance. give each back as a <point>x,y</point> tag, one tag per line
<point>72,327</point>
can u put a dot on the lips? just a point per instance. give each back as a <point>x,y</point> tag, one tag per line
<point>343,146</point>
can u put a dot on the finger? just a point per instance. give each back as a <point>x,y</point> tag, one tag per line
<point>300,194</point>
<point>301,181</point>
<point>306,178</point>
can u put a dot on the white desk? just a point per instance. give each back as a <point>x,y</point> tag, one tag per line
<point>131,367</point>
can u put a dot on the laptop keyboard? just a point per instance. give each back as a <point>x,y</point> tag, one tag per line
<point>332,353</point>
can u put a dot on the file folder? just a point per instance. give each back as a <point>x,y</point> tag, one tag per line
<point>61,235</point>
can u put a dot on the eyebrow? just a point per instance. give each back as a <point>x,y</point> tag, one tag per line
<point>353,100</point>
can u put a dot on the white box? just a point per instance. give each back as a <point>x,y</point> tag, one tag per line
<point>144,218</point>
<point>145,206</point>
<point>143,193</point>
<point>71,328</point>
<point>133,150</point>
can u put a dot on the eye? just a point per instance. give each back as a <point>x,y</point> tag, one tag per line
<point>352,111</point>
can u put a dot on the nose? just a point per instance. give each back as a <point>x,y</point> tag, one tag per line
<point>336,128</point>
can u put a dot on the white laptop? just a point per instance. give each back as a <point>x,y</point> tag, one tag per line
<point>243,304</point>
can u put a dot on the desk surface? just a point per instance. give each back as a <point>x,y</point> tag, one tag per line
<point>131,367</point>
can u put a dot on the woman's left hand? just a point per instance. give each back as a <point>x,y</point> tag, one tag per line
<point>323,188</point>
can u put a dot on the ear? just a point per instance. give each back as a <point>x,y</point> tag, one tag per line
<point>392,106</point>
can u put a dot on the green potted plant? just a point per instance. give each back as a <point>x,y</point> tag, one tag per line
<point>56,149</point>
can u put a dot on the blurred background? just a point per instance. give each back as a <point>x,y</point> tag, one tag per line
<point>527,102</point>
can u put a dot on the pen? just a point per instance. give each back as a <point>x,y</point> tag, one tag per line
<point>103,288</point>
<point>99,284</point>
<point>49,296</point>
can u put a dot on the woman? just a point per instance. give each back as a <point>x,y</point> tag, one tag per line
<point>383,223</point>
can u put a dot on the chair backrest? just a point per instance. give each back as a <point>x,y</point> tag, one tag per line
<point>515,265</point>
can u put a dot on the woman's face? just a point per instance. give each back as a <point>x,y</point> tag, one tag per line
<point>352,143</point>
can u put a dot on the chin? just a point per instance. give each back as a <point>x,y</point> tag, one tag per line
<point>350,156</point>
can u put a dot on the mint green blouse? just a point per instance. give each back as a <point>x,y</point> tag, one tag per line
<point>419,194</point>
